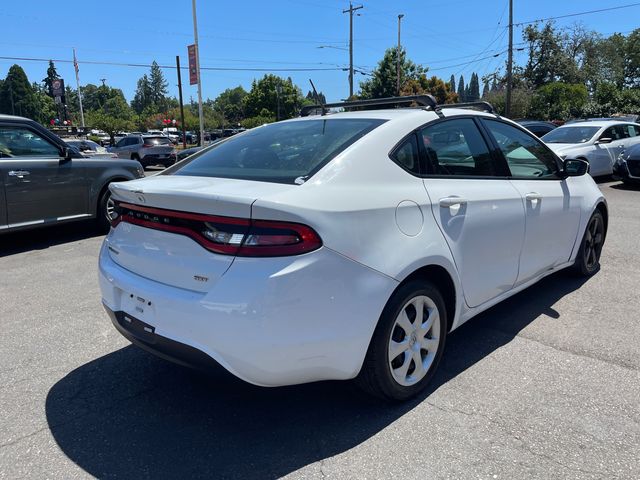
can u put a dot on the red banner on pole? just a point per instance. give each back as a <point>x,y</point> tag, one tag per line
<point>193,71</point>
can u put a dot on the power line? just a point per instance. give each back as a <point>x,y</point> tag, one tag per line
<point>145,65</point>
<point>577,14</point>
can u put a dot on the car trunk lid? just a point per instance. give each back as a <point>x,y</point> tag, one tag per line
<point>161,237</point>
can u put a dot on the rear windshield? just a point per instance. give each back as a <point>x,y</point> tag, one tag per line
<point>157,140</point>
<point>287,152</point>
<point>570,135</point>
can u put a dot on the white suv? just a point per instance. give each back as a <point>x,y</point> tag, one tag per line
<point>598,142</point>
<point>344,245</point>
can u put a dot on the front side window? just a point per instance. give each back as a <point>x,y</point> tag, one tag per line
<point>456,148</point>
<point>525,155</point>
<point>22,142</point>
<point>285,152</point>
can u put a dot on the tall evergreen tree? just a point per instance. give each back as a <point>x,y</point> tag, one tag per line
<point>452,83</point>
<point>143,96</point>
<point>52,74</point>
<point>473,90</point>
<point>462,97</point>
<point>17,96</point>
<point>485,89</point>
<point>158,86</point>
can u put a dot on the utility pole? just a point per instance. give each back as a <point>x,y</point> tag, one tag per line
<point>507,108</point>
<point>351,11</point>
<point>184,133</point>
<point>398,58</point>
<point>195,38</point>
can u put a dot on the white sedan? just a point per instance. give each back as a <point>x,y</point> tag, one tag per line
<point>598,142</point>
<point>343,246</point>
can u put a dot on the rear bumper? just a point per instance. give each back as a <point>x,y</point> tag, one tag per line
<point>144,336</point>
<point>268,321</point>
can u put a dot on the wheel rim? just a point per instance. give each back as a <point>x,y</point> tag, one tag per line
<point>109,209</point>
<point>593,241</point>
<point>414,340</point>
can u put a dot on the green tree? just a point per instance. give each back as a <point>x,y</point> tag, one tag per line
<point>485,89</point>
<point>462,97</point>
<point>142,98</point>
<point>383,81</point>
<point>559,101</point>
<point>473,92</point>
<point>268,92</point>
<point>46,108</point>
<point>52,74</point>
<point>520,102</point>
<point>115,115</point>
<point>230,104</point>
<point>158,86</point>
<point>434,86</point>
<point>17,96</point>
<point>452,83</point>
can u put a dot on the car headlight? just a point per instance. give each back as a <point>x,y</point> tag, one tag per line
<point>140,171</point>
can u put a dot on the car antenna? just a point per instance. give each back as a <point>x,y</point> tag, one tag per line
<point>317,97</point>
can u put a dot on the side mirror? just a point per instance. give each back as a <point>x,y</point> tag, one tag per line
<point>575,167</point>
<point>67,153</point>
<point>604,140</point>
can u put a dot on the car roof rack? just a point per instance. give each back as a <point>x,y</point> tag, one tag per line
<point>483,106</point>
<point>427,101</point>
<point>422,100</point>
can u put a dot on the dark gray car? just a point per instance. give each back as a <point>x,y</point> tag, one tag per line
<point>44,181</point>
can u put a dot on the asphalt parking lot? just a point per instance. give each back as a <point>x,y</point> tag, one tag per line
<point>545,385</point>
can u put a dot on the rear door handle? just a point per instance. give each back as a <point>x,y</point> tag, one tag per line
<point>533,196</point>
<point>18,173</point>
<point>449,202</point>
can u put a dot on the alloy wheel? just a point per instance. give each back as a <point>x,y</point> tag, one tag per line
<point>593,241</point>
<point>414,340</point>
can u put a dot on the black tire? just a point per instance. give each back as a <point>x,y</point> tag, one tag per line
<point>587,261</point>
<point>103,221</point>
<point>376,376</point>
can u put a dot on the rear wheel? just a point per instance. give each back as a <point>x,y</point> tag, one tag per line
<point>588,259</point>
<point>407,344</point>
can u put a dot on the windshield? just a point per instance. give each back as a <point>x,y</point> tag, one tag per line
<point>286,152</point>
<point>570,135</point>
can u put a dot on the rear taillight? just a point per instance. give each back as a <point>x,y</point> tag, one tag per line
<point>147,145</point>
<point>225,235</point>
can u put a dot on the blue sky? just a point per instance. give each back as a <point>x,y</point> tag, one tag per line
<point>450,37</point>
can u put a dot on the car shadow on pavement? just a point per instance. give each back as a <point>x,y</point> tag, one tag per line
<point>131,415</point>
<point>42,238</point>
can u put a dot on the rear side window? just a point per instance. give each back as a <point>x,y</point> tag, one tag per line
<point>157,141</point>
<point>407,155</point>
<point>286,152</point>
<point>456,148</point>
<point>632,130</point>
<point>526,156</point>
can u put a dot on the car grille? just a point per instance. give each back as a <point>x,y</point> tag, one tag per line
<point>634,167</point>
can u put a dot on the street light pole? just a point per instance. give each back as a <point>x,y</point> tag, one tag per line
<point>398,57</point>
<point>195,38</point>
<point>351,10</point>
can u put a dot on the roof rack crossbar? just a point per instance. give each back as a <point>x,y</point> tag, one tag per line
<point>422,100</point>
<point>486,106</point>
